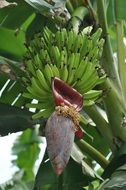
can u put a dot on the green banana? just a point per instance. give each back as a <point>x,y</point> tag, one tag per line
<point>77,46</point>
<point>89,45</point>
<point>41,105</point>
<point>55,55</point>
<point>70,79</point>
<point>93,54</point>
<point>92,94</point>
<point>70,42</point>
<point>63,58</point>
<point>48,38</point>
<point>95,37</point>
<point>37,106</point>
<point>81,69</point>
<point>45,44</point>
<point>76,60</point>
<point>43,113</point>
<point>38,96</point>
<point>58,40</point>
<point>89,102</point>
<point>62,39</point>
<point>86,75</point>
<point>55,70</point>
<point>30,66</point>
<point>42,80</point>
<point>90,84</point>
<point>47,57</point>
<point>83,50</point>
<point>34,94</point>
<point>96,51</point>
<point>42,55</point>
<point>28,95</point>
<point>37,61</point>
<point>37,87</point>
<point>87,31</point>
<point>101,43</point>
<point>48,73</point>
<point>100,46</point>
<point>71,62</point>
<point>101,79</point>
<point>64,35</point>
<point>92,73</point>
<point>88,81</point>
<point>47,33</point>
<point>64,73</point>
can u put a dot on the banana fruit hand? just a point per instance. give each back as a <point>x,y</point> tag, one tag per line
<point>71,56</point>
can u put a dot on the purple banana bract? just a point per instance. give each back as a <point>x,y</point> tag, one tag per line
<point>60,137</point>
<point>62,124</point>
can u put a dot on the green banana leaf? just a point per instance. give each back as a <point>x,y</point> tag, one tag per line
<point>116,162</point>
<point>117,180</point>
<point>11,46</point>
<point>37,25</point>
<point>12,33</point>
<point>116,11</point>
<point>8,14</point>
<point>13,119</point>
<point>11,91</point>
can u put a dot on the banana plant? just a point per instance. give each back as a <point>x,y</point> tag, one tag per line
<point>69,56</point>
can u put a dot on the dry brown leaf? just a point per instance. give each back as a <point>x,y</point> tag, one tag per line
<point>4,3</point>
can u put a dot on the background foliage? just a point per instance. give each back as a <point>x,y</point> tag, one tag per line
<point>105,127</point>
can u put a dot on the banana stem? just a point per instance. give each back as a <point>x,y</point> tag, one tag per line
<point>101,125</point>
<point>91,151</point>
<point>77,17</point>
<point>121,58</point>
<point>113,103</point>
<point>60,182</point>
<point>74,3</point>
<point>93,13</point>
<point>69,7</point>
<point>107,52</point>
<point>60,20</point>
<point>115,110</point>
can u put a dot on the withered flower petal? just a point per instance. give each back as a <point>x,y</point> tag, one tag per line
<point>79,133</point>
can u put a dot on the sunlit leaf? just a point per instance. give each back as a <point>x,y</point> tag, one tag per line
<point>11,46</point>
<point>26,148</point>
<point>42,5</point>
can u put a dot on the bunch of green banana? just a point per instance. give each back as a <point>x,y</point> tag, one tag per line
<point>68,55</point>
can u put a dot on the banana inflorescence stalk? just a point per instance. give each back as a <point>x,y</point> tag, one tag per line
<point>73,57</point>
